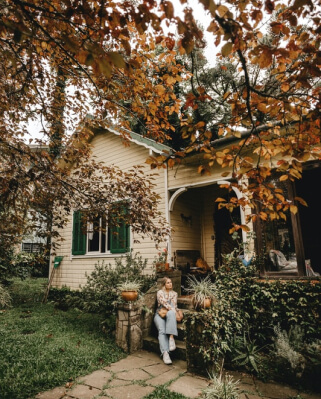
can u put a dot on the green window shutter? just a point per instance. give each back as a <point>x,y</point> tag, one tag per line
<point>78,237</point>
<point>119,237</point>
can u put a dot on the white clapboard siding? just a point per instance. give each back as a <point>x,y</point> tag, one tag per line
<point>108,148</point>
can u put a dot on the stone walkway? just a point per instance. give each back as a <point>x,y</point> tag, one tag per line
<point>136,376</point>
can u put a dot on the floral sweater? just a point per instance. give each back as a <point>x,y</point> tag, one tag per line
<point>164,297</point>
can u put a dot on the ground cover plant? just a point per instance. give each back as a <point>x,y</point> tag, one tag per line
<point>43,347</point>
<point>162,392</point>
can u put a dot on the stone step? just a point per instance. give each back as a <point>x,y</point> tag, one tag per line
<point>185,302</point>
<point>151,344</point>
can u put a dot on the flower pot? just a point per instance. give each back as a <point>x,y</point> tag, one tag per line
<point>205,304</point>
<point>129,295</point>
<point>162,267</point>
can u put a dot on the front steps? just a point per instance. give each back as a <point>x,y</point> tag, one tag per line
<point>151,344</point>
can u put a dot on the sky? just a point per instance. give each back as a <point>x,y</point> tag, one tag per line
<point>203,17</point>
<point>210,51</point>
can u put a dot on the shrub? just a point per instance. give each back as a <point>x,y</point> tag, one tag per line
<point>255,306</point>
<point>22,265</point>
<point>100,293</point>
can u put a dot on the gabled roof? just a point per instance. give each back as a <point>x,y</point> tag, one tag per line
<point>142,141</point>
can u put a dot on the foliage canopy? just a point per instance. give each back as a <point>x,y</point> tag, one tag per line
<point>63,59</point>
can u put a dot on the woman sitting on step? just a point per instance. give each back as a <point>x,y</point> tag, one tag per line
<point>167,326</point>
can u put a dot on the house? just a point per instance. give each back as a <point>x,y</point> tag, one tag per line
<point>200,230</point>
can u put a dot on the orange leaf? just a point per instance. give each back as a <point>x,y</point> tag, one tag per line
<point>266,59</point>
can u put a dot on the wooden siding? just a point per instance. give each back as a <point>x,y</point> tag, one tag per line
<point>107,148</point>
<point>186,175</point>
<point>199,204</point>
<point>186,222</point>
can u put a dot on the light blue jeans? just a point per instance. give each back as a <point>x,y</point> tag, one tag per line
<point>165,327</point>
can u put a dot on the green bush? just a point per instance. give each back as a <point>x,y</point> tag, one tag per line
<point>100,294</point>
<point>247,304</point>
<point>22,265</point>
<point>265,303</point>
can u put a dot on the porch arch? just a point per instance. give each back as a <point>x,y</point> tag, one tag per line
<point>173,198</point>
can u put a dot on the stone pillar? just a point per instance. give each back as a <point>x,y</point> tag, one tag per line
<point>128,327</point>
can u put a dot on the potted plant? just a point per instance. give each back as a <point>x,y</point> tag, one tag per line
<point>129,290</point>
<point>161,262</point>
<point>203,291</point>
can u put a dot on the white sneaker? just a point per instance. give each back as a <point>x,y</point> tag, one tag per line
<point>172,345</point>
<point>166,358</point>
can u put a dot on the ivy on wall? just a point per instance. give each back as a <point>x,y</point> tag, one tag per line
<point>246,303</point>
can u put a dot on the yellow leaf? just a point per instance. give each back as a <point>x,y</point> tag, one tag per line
<point>293,209</point>
<point>219,199</point>
<point>222,10</point>
<point>283,177</point>
<point>245,228</point>
<point>170,80</point>
<point>160,90</point>
<point>227,49</point>
<point>285,87</point>
<point>262,107</point>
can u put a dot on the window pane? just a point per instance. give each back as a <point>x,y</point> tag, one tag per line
<point>94,235</point>
<point>278,242</point>
<point>103,235</point>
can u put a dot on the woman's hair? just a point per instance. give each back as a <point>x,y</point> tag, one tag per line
<point>164,279</point>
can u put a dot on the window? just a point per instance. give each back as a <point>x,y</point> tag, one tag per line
<point>291,246</point>
<point>31,247</point>
<point>97,238</point>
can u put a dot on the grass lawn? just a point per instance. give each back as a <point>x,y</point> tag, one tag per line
<point>42,347</point>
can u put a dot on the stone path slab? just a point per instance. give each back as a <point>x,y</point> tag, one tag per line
<point>55,393</point>
<point>133,375</point>
<point>189,386</point>
<point>164,378</point>
<point>84,392</point>
<point>129,392</point>
<point>97,379</point>
<point>119,381</point>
